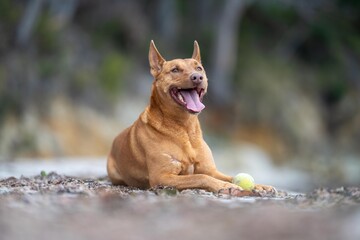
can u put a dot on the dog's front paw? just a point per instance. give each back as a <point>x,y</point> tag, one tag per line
<point>265,189</point>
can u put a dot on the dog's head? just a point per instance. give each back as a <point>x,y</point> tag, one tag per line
<point>182,83</point>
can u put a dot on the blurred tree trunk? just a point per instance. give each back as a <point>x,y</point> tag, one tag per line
<point>225,55</point>
<point>168,23</point>
<point>28,21</point>
<point>27,83</point>
<point>62,11</point>
<point>205,8</point>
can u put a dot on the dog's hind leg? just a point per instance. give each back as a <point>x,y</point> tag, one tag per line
<point>113,173</point>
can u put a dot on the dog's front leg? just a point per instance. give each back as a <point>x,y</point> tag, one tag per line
<point>218,175</point>
<point>200,181</point>
<point>193,181</point>
<point>206,165</point>
<point>165,171</point>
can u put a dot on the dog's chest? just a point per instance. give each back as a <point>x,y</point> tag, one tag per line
<point>190,154</point>
<point>184,165</point>
<point>189,169</point>
<point>188,164</point>
<point>189,148</point>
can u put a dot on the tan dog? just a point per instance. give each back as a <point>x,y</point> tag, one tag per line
<point>165,145</point>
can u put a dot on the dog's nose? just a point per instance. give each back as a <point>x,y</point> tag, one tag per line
<point>196,78</point>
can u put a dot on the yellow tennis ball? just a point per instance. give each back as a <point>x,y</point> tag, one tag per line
<point>245,181</point>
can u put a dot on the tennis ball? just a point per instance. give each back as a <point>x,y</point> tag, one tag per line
<point>245,181</point>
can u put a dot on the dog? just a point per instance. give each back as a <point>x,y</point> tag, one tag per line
<point>165,146</point>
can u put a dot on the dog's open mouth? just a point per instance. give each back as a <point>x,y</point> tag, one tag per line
<point>190,98</point>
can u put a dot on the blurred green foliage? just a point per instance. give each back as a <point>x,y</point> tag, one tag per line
<point>9,12</point>
<point>109,31</point>
<point>284,50</point>
<point>47,67</point>
<point>111,69</point>
<point>320,42</point>
<point>47,34</point>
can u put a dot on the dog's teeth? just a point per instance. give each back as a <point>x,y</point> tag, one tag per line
<point>180,97</point>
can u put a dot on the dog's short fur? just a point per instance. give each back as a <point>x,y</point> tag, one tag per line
<point>165,146</point>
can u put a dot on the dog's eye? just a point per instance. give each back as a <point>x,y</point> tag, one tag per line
<point>175,70</point>
<point>199,68</point>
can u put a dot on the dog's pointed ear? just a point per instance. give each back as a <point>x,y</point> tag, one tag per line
<point>155,59</point>
<point>196,52</point>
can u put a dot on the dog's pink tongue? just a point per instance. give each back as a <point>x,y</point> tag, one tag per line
<point>192,100</point>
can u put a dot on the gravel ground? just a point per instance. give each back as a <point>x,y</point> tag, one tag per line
<point>60,207</point>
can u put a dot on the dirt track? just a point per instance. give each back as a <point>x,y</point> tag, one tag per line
<point>59,207</point>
